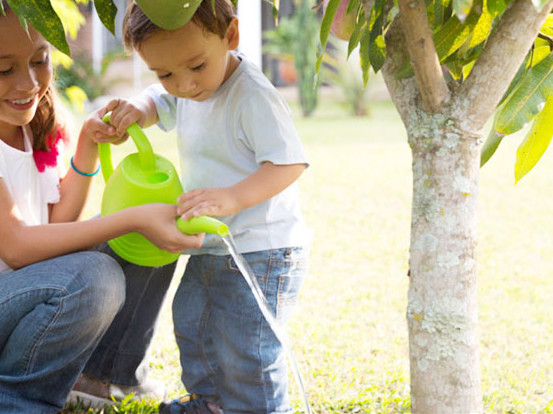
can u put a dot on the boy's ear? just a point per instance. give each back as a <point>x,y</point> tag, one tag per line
<point>233,34</point>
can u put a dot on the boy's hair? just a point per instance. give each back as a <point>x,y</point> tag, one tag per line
<point>44,123</point>
<point>137,27</point>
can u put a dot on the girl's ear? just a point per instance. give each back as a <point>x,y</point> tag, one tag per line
<point>233,35</point>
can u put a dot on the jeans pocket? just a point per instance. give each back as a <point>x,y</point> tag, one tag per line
<point>291,274</point>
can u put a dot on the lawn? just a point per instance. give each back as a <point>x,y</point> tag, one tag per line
<point>349,332</point>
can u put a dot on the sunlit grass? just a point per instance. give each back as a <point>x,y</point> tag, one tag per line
<point>349,332</point>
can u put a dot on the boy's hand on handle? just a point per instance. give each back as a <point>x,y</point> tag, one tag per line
<point>124,113</point>
<point>214,202</point>
<point>157,222</point>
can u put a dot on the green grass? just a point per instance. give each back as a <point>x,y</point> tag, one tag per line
<point>349,332</point>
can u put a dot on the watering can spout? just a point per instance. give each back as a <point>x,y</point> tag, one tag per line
<point>203,224</point>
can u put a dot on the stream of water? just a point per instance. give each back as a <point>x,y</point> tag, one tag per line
<point>269,315</point>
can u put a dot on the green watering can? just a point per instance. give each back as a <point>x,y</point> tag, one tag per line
<point>141,178</point>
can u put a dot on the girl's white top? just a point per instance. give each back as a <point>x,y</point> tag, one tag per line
<point>30,190</point>
<point>225,139</point>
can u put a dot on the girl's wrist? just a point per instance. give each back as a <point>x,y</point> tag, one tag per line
<point>80,172</point>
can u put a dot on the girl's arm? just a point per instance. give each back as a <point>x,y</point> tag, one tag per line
<point>266,182</point>
<point>74,187</point>
<point>21,245</point>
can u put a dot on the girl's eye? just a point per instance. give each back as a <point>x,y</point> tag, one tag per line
<point>6,72</point>
<point>44,60</point>
<point>164,76</point>
<point>199,67</point>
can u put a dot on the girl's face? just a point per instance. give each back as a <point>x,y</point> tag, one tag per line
<point>25,73</point>
<point>189,62</point>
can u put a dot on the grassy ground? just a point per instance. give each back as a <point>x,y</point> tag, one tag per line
<point>349,332</point>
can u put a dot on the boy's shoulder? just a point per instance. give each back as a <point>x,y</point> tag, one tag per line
<point>250,81</point>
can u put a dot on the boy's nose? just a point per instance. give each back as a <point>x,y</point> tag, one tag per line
<point>186,86</point>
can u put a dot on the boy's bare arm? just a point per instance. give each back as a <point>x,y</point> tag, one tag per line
<point>266,182</point>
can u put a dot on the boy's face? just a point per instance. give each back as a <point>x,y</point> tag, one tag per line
<point>25,72</point>
<point>189,62</point>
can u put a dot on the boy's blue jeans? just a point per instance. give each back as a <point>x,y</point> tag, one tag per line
<point>52,315</point>
<point>228,351</point>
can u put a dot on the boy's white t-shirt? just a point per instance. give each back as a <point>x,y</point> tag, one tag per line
<point>225,139</point>
<point>30,189</point>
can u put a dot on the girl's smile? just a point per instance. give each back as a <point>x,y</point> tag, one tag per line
<point>23,104</point>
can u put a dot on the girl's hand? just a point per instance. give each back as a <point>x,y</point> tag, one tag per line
<point>157,222</point>
<point>215,202</point>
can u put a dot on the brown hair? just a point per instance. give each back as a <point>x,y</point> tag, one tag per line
<point>45,122</point>
<point>213,18</point>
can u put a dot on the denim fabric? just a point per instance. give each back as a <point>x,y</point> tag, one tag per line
<point>52,315</point>
<point>228,351</point>
<point>120,357</point>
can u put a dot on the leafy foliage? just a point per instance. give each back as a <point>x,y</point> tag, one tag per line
<point>526,103</point>
<point>460,30</point>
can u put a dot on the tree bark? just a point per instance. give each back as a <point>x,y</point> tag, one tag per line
<point>442,309</point>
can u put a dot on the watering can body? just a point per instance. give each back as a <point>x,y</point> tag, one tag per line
<point>141,178</point>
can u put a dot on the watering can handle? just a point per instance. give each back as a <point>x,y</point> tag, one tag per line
<point>145,151</point>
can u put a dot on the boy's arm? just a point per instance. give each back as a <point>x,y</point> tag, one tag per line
<point>266,182</point>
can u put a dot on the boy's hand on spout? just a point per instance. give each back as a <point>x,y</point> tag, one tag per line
<point>215,202</point>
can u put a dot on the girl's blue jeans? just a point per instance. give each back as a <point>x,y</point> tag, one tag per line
<point>52,316</point>
<point>229,352</point>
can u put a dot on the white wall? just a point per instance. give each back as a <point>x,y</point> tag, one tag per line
<point>249,16</point>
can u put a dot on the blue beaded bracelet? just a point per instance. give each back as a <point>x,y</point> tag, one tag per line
<point>83,173</point>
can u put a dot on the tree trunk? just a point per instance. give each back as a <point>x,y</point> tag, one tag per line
<point>442,309</point>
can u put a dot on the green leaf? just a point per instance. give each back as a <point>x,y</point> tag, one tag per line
<point>451,36</point>
<point>496,7</point>
<point>377,53</point>
<point>364,55</point>
<point>106,10</point>
<point>438,13</point>
<point>462,8</point>
<point>490,146</point>
<point>41,15</point>
<point>525,100</point>
<point>482,29</point>
<point>536,142</point>
<point>377,46</point>
<point>326,23</point>
<point>356,35</point>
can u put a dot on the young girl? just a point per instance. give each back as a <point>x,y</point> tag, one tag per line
<point>240,159</point>
<point>56,299</point>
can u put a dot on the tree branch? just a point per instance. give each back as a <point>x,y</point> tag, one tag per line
<point>404,92</point>
<point>497,65</point>
<point>428,72</point>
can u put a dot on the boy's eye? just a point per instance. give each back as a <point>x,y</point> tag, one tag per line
<point>164,76</point>
<point>198,67</point>
<point>6,71</point>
